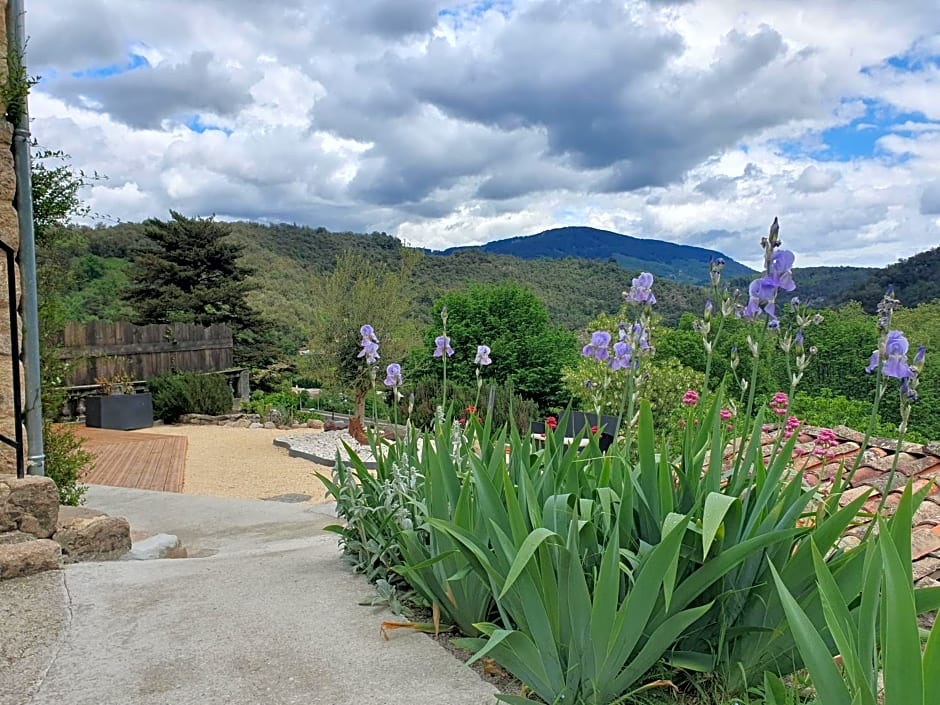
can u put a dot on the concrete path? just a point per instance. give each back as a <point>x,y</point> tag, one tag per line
<point>268,616</point>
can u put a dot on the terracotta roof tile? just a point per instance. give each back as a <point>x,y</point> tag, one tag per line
<point>917,461</point>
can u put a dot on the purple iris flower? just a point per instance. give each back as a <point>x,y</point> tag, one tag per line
<point>641,290</point>
<point>442,346</point>
<point>896,351</point>
<point>393,375</point>
<point>779,275</point>
<point>621,358</point>
<point>483,355</point>
<point>921,355</point>
<point>598,347</point>
<point>370,351</point>
<point>368,334</point>
<point>799,337</point>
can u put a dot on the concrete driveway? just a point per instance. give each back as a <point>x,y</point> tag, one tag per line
<point>268,615</point>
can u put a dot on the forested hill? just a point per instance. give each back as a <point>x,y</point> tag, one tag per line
<point>915,280</point>
<point>682,263</point>
<point>287,258</point>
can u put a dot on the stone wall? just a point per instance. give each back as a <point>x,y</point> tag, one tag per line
<point>9,233</point>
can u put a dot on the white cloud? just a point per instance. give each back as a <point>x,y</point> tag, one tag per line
<point>658,119</point>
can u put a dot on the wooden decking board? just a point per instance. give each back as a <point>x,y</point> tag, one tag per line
<point>146,461</point>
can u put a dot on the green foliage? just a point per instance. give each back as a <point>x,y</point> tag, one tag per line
<point>176,394</point>
<point>357,292</point>
<point>528,352</point>
<point>663,382</point>
<point>66,462</point>
<point>828,410</point>
<point>189,272</point>
<point>169,397</point>
<point>280,407</point>
<point>878,634</point>
<point>17,86</point>
<point>602,565</point>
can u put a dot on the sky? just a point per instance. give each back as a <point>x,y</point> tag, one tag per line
<point>457,122</point>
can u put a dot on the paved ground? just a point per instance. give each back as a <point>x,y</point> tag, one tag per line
<point>268,616</point>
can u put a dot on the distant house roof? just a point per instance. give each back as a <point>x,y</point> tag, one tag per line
<point>921,462</point>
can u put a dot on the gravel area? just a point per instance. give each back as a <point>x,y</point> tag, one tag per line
<point>323,446</point>
<point>245,463</point>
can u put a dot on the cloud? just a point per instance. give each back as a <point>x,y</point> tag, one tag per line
<point>930,199</point>
<point>455,122</point>
<point>143,98</point>
<point>815,180</point>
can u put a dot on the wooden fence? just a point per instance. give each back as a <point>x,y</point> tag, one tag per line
<point>98,349</point>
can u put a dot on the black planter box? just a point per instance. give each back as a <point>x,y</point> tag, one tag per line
<point>122,412</point>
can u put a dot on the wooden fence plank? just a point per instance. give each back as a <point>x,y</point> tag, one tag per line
<point>102,349</point>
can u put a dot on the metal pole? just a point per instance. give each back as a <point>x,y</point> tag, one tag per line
<point>22,162</point>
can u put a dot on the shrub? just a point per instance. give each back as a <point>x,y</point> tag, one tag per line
<point>209,394</point>
<point>169,397</point>
<point>189,393</point>
<point>66,461</point>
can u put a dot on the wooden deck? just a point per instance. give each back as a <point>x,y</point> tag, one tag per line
<point>144,461</point>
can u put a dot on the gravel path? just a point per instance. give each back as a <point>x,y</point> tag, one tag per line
<point>245,463</point>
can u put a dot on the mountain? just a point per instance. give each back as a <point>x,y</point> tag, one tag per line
<point>681,263</point>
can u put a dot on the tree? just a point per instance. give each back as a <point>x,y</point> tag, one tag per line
<point>189,272</point>
<point>357,292</point>
<point>55,192</point>
<point>528,352</point>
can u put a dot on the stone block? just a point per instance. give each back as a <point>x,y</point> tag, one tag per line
<point>30,504</point>
<point>157,546</point>
<point>21,559</point>
<point>98,538</point>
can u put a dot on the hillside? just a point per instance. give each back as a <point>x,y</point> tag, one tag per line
<point>681,263</point>
<point>915,280</point>
<point>286,259</point>
<point>820,286</point>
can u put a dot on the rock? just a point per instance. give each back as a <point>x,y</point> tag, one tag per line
<point>99,538</point>
<point>67,514</point>
<point>30,504</point>
<point>243,423</point>
<point>157,546</point>
<point>256,424</point>
<point>335,425</point>
<point>315,423</point>
<point>231,424</point>
<point>270,424</point>
<point>19,559</point>
<point>9,537</point>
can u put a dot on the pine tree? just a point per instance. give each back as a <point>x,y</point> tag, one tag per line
<point>191,274</point>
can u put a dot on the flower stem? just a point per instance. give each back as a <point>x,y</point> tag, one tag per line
<point>902,431</point>
<point>869,429</point>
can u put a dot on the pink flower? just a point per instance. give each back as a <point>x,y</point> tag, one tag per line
<point>690,398</point>
<point>779,403</point>
<point>551,422</point>
<point>725,414</point>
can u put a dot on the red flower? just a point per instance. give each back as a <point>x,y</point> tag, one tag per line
<point>471,409</point>
<point>593,429</point>
<point>551,422</point>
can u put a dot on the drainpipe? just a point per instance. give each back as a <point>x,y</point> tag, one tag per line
<point>29,307</point>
